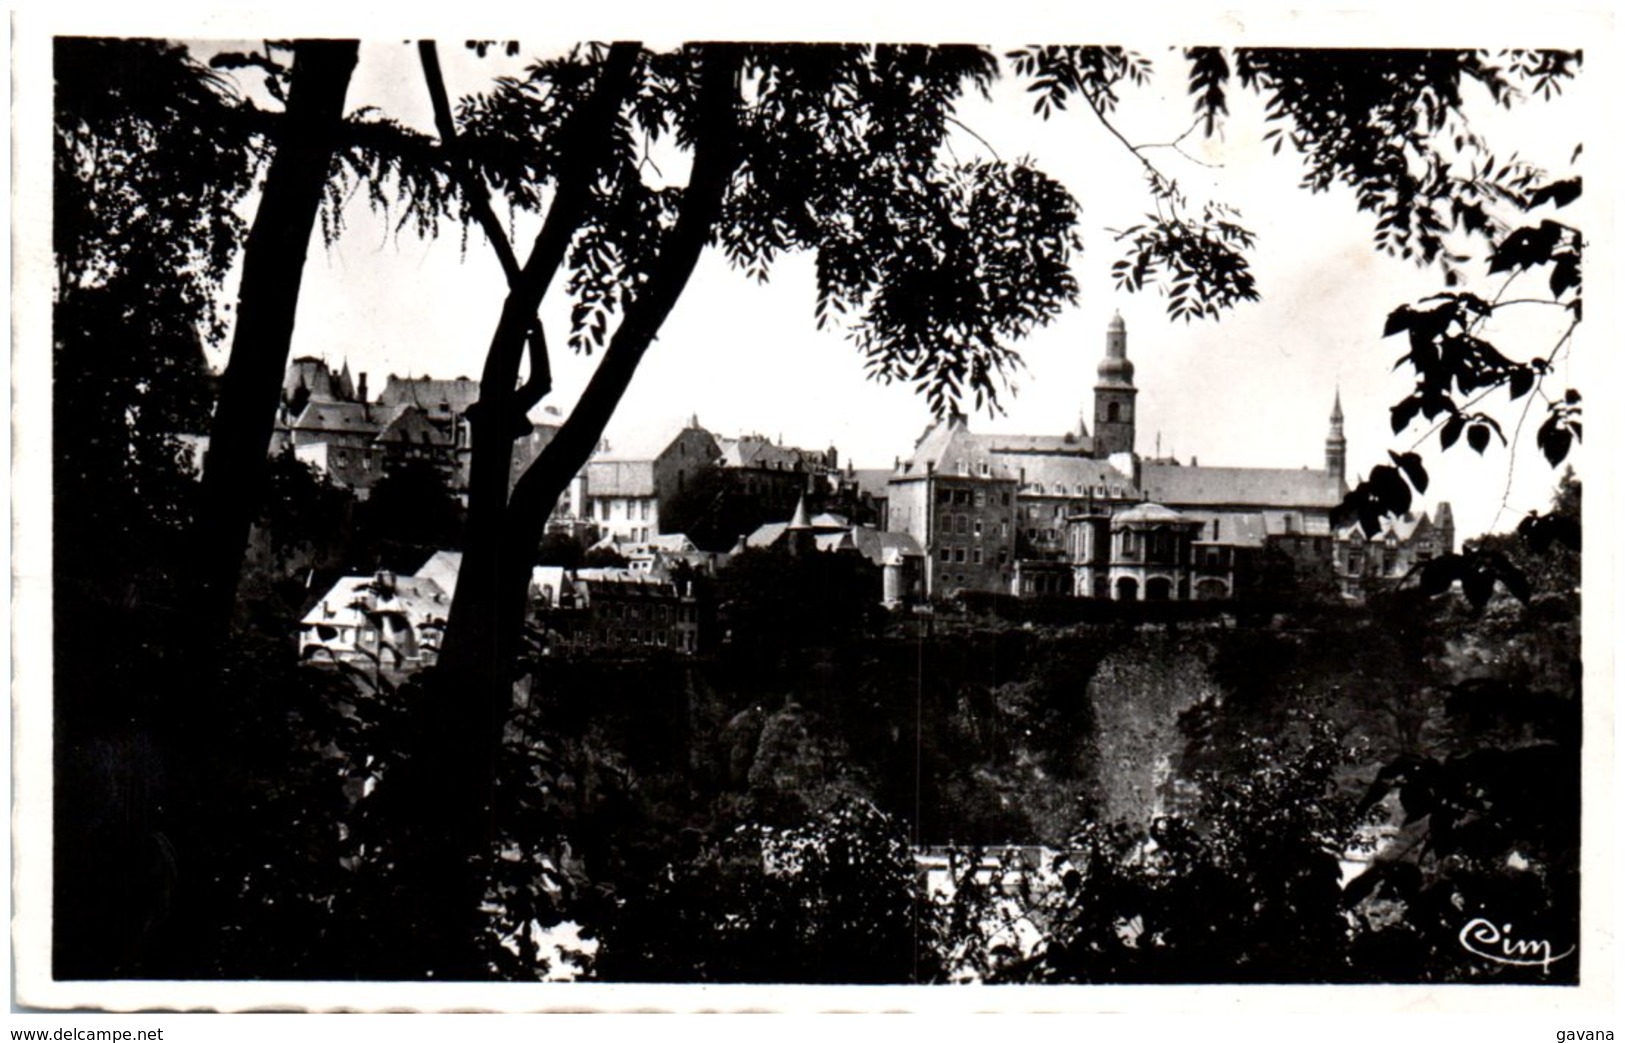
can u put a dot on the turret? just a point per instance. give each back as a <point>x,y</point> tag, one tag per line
<point>799,533</point>
<point>1336,445</point>
<point>1114,394</point>
<point>1444,522</point>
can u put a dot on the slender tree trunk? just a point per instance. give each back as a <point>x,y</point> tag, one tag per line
<point>470,696</point>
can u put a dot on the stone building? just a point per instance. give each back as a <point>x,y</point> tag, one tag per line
<point>1087,515</point>
<point>629,487</point>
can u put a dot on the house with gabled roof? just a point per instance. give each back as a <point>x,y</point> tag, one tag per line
<point>630,486</point>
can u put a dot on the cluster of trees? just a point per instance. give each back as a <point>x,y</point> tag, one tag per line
<point>174,710</point>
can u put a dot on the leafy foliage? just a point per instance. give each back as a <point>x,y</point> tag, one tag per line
<point>832,900</point>
<point>935,267</point>
<point>1456,368</point>
<point>1244,889</point>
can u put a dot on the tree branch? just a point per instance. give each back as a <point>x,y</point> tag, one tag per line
<point>581,136</point>
<point>479,201</point>
<point>716,155</point>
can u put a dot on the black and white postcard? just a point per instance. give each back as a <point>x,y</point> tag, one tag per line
<point>593,511</point>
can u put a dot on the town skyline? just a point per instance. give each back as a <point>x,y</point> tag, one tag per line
<point>747,357</point>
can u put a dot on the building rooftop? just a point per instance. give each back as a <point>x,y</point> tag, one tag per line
<point>620,477</point>
<point>1241,486</point>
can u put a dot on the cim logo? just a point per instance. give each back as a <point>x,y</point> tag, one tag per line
<point>1485,940</point>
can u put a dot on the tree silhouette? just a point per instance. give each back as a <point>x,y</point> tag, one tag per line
<point>935,267</point>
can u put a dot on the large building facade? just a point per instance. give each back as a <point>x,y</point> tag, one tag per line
<point>1086,515</point>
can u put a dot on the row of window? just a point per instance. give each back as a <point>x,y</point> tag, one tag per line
<point>627,509</point>
<point>966,525</point>
<point>958,555</point>
<point>968,497</point>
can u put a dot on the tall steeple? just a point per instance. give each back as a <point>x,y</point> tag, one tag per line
<point>1336,445</point>
<point>1114,394</point>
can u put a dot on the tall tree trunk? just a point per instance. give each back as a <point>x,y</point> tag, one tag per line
<point>273,269</point>
<point>190,724</point>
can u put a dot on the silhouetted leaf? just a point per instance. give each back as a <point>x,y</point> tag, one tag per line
<point>1402,414</point>
<point>1411,464</point>
<point>1451,431</point>
<point>1561,193</point>
<point>1478,436</point>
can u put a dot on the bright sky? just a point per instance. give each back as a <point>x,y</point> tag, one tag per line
<point>1252,389</point>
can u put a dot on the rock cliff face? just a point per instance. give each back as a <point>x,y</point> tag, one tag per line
<point>1139,692</point>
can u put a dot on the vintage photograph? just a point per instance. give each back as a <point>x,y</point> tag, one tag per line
<point>816,513</point>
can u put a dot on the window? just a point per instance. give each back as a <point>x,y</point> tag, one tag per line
<point>962,524</point>
<point>947,554</point>
<point>976,527</point>
<point>976,555</point>
<point>645,513</point>
<point>1112,410</point>
<point>1006,499</point>
<point>944,495</point>
<point>981,498</point>
<point>959,554</point>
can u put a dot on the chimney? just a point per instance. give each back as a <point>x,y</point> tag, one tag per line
<point>361,389</point>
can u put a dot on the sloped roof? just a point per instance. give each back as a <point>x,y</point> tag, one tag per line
<point>671,543</point>
<point>620,477</point>
<point>619,577</point>
<point>1151,514</point>
<point>649,443</point>
<point>1071,476</point>
<point>759,453</point>
<point>871,480</point>
<point>339,417</point>
<point>766,535</point>
<point>409,418</point>
<point>346,604</point>
<point>950,448</point>
<point>1238,528</point>
<point>1249,486</point>
<point>874,543</point>
<point>437,396</point>
<point>312,374</point>
<point>442,566</point>
<point>1405,528</point>
<point>1072,444</point>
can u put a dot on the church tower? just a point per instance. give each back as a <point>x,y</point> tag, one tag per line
<point>1114,394</point>
<point>1336,446</point>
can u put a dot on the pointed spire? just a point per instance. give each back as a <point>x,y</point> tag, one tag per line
<point>799,519</point>
<point>1336,444</point>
